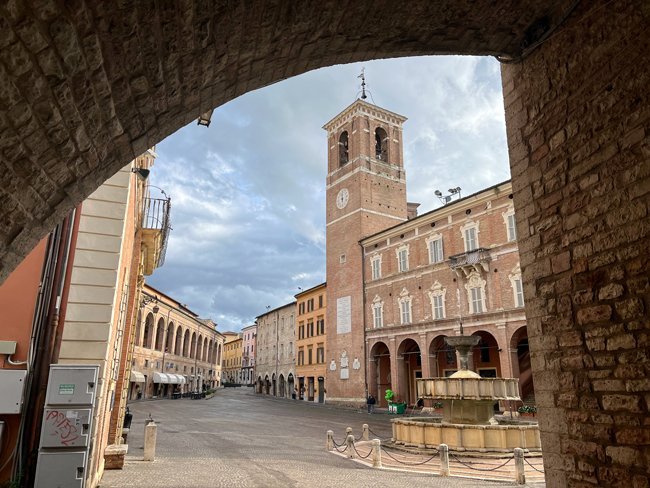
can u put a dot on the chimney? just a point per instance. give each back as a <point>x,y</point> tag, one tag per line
<point>411,210</point>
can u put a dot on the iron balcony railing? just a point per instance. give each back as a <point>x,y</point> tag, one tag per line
<point>469,258</point>
<point>155,216</point>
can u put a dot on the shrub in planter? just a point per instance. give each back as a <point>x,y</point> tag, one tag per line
<point>527,410</point>
<point>437,405</point>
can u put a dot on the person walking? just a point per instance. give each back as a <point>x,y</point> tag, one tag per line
<point>371,403</point>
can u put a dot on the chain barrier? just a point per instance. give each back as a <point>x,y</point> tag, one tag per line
<point>362,457</point>
<point>539,471</point>
<point>336,448</point>
<point>405,463</point>
<point>382,439</point>
<point>336,444</point>
<point>468,465</point>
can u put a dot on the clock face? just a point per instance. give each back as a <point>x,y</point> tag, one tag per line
<point>342,198</point>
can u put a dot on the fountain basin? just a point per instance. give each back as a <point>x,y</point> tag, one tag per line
<point>422,432</point>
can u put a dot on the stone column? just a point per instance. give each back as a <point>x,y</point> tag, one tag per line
<point>150,431</point>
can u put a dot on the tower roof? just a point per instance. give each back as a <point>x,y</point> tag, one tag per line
<point>361,107</point>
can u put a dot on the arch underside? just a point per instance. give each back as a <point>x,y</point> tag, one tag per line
<point>109,82</point>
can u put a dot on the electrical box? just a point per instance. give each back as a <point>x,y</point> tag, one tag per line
<point>12,382</point>
<point>71,385</point>
<point>61,469</point>
<point>2,430</point>
<point>8,347</point>
<point>66,427</point>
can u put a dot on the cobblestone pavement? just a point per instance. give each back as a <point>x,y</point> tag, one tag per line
<point>239,439</point>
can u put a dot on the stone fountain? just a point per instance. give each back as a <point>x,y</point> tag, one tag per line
<point>468,422</point>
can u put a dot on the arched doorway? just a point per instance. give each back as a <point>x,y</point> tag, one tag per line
<point>486,356</point>
<point>442,358</point>
<point>259,385</point>
<point>275,385</point>
<point>409,369</point>
<point>267,384</point>
<point>290,386</point>
<point>379,377</point>
<point>520,355</point>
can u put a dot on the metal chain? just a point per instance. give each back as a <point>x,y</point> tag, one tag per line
<point>336,444</point>
<point>378,436</point>
<point>480,469</point>
<point>362,457</point>
<point>338,450</point>
<point>405,463</point>
<point>533,466</point>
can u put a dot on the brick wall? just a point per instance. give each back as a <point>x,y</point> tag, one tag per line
<point>577,115</point>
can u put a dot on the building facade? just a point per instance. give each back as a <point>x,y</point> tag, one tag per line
<point>450,271</point>
<point>176,352</point>
<point>275,356</point>
<point>366,193</point>
<point>232,357</point>
<point>249,335</point>
<point>310,343</point>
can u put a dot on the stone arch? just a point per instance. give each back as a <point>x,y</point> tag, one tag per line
<point>379,373</point>
<point>211,352</point>
<point>267,384</point>
<point>282,386</point>
<point>160,334</point>
<point>486,356</point>
<point>179,341</point>
<point>169,345</point>
<point>409,369</point>
<point>344,142</point>
<point>138,328</point>
<point>442,357</point>
<point>381,144</point>
<point>147,338</point>
<point>186,343</point>
<point>199,348</point>
<point>522,368</point>
<point>193,346</point>
<point>204,357</point>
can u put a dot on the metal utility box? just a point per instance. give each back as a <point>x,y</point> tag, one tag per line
<point>72,385</point>
<point>2,430</point>
<point>66,427</point>
<point>61,469</point>
<point>12,382</point>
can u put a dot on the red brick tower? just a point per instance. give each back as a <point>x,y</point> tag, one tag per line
<point>366,193</point>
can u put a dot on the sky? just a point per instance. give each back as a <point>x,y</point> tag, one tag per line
<point>248,193</point>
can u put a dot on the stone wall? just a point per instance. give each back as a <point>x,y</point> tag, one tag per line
<point>577,114</point>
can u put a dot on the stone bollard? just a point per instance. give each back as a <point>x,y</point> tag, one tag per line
<point>348,432</point>
<point>444,459</point>
<point>349,441</point>
<point>520,476</point>
<point>364,434</point>
<point>150,441</point>
<point>376,453</point>
<point>330,440</point>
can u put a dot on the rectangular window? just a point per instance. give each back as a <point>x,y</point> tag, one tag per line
<point>477,300</point>
<point>310,305</point>
<point>405,309</point>
<point>512,228</point>
<point>320,301</point>
<point>320,354</point>
<point>310,328</point>
<point>301,356</point>
<point>470,239</point>
<point>438,312</point>
<point>376,268</point>
<point>519,293</point>
<point>403,262</point>
<point>320,326</point>
<point>301,331</point>
<point>377,313</point>
<point>309,355</point>
<point>301,308</point>
<point>435,251</point>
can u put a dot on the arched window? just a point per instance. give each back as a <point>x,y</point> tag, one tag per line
<point>343,148</point>
<point>381,144</point>
<point>186,344</point>
<point>179,341</point>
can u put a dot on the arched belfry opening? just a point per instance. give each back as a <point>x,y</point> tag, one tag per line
<point>344,156</point>
<point>381,144</point>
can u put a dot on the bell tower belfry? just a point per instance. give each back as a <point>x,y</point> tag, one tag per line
<point>366,193</point>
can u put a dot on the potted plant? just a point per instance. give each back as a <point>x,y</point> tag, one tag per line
<point>527,410</point>
<point>437,406</point>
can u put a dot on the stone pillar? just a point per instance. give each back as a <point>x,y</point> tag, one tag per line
<point>364,435</point>
<point>443,449</point>
<point>394,368</point>
<point>329,444</point>
<point>150,432</point>
<point>424,355</point>
<point>376,453</point>
<point>520,477</point>
<point>577,111</point>
<point>349,442</point>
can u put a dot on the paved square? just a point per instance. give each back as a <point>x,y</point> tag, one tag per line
<point>239,439</point>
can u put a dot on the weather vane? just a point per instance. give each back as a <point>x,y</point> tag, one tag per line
<point>363,83</point>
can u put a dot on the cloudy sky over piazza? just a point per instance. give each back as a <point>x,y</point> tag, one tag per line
<point>248,193</point>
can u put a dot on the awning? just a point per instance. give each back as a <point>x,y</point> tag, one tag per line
<point>181,379</point>
<point>137,377</point>
<point>161,378</point>
<point>176,379</point>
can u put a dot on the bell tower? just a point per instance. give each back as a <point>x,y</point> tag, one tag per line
<point>366,193</point>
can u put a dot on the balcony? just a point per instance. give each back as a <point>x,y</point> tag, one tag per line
<point>475,260</point>
<point>155,231</point>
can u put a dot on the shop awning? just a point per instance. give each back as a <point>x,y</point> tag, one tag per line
<point>137,377</point>
<point>176,379</point>
<point>161,378</point>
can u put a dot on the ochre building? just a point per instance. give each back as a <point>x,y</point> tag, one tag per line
<point>310,344</point>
